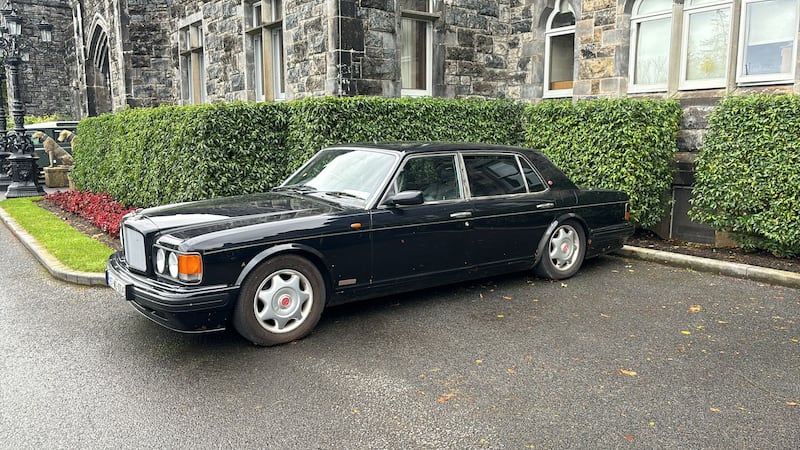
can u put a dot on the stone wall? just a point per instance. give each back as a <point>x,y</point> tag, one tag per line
<point>47,71</point>
<point>308,46</point>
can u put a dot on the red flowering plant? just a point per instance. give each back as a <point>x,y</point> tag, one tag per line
<point>99,209</point>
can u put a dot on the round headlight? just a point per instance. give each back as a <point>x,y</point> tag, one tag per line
<point>161,260</point>
<point>173,265</point>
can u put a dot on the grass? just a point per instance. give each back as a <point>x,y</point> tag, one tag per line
<point>74,249</point>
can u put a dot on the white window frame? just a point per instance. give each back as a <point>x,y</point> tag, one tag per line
<point>712,83</point>
<point>428,18</point>
<point>771,78</point>
<point>192,60</point>
<point>636,20</point>
<point>550,33</point>
<point>278,66</point>
<point>264,37</point>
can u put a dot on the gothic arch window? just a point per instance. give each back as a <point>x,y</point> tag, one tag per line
<point>98,70</point>
<point>559,51</point>
<point>651,26</point>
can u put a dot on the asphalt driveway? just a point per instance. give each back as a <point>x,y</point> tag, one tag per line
<point>626,354</point>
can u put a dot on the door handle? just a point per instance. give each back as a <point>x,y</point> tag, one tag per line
<point>547,205</point>
<point>461,215</point>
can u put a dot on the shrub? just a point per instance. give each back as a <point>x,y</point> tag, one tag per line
<point>748,172</point>
<point>99,209</point>
<point>624,144</point>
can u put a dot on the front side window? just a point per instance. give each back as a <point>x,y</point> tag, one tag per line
<point>436,176</point>
<point>706,43</point>
<point>651,25</point>
<point>192,63</point>
<point>559,51</point>
<point>416,47</point>
<point>767,35</point>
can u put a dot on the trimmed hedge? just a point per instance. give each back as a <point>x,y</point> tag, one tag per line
<point>151,156</point>
<point>322,121</point>
<point>624,144</point>
<point>747,177</point>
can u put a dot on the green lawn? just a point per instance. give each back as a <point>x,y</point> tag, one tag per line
<point>74,249</point>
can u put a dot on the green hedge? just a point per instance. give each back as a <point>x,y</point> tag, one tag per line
<point>151,156</point>
<point>625,144</point>
<point>748,172</point>
<point>322,121</point>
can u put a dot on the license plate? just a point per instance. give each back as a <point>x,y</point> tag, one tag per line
<point>116,284</point>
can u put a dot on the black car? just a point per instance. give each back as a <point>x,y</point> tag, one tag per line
<point>357,222</point>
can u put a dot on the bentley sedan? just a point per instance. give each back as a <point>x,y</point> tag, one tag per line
<point>358,222</point>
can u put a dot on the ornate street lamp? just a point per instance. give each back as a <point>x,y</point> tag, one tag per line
<point>23,170</point>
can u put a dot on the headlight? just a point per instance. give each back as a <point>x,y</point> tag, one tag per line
<point>173,265</point>
<point>161,260</point>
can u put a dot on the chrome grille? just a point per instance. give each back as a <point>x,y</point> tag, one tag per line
<point>135,253</point>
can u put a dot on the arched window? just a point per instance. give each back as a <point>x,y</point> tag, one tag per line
<point>559,51</point>
<point>651,26</point>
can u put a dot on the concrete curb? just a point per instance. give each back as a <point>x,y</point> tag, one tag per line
<point>745,271</point>
<point>53,265</point>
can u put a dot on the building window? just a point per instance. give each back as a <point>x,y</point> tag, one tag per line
<point>192,64</point>
<point>559,51</point>
<point>706,44</point>
<point>651,25</point>
<point>416,47</point>
<point>767,41</point>
<point>264,35</point>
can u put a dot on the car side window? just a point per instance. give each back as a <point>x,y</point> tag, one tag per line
<point>435,176</point>
<point>535,183</point>
<point>491,175</point>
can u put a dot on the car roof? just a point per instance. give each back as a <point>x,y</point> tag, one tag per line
<point>432,147</point>
<point>49,125</point>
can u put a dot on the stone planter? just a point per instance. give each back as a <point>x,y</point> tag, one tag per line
<point>56,177</point>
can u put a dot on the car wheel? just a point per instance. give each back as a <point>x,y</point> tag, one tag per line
<point>280,301</point>
<point>566,247</point>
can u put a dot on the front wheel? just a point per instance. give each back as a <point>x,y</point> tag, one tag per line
<point>280,301</point>
<point>565,250</point>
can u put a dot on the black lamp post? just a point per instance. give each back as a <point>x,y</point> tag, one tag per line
<point>5,167</point>
<point>24,171</point>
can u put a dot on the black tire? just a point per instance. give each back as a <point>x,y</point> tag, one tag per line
<point>564,252</point>
<point>280,301</point>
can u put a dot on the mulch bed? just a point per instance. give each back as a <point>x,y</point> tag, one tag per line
<point>642,238</point>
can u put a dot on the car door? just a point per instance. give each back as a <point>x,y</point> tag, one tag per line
<point>422,244</point>
<point>512,208</point>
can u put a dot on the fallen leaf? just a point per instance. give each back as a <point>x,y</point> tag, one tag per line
<point>615,271</point>
<point>715,410</point>
<point>695,309</point>
<point>686,332</point>
<point>478,361</point>
<point>356,411</point>
<point>629,437</point>
<point>500,316</point>
<point>510,371</point>
<point>792,404</point>
<point>445,397</point>
<point>629,373</point>
<point>604,315</point>
<point>505,297</point>
<point>563,284</point>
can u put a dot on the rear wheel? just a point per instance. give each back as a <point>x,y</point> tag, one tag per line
<point>564,253</point>
<point>280,301</point>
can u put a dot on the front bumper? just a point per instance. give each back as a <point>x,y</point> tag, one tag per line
<point>188,309</point>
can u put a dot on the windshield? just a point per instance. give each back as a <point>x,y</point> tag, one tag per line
<point>352,175</point>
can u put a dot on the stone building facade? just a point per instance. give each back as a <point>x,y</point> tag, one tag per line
<point>136,53</point>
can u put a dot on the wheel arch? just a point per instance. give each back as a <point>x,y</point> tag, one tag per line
<point>311,254</point>
<point>555,223</point>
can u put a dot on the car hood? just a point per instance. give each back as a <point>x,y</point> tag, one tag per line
<point>190,219</point>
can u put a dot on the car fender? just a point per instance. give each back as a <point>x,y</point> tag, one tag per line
<point>540,249</point>
<point>303,250</point>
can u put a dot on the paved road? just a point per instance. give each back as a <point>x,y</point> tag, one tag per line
<point>627,354</point>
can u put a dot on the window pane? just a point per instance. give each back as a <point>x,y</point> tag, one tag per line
<point>277,64</point>
<point>276,10</point>
<point>769,37</point>
<point>258,66</point>
<point>535,183</point>
<point>692,3</point>
<point>435,176</point>
<point>562,61</point>
<point>652,52</point>
<point>494,175</point>
<point>415,5</point>
<point>565,19</point>
<point>653,6</point>
<point>707,44</point>
<point>413,54</point>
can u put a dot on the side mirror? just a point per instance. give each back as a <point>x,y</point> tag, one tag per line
<point>405,198</point>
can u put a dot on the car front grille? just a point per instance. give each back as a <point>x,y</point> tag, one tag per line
<point>135,253</point>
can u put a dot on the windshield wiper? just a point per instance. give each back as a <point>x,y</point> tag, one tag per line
<point>299,188</point>
<point>342,194</point>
